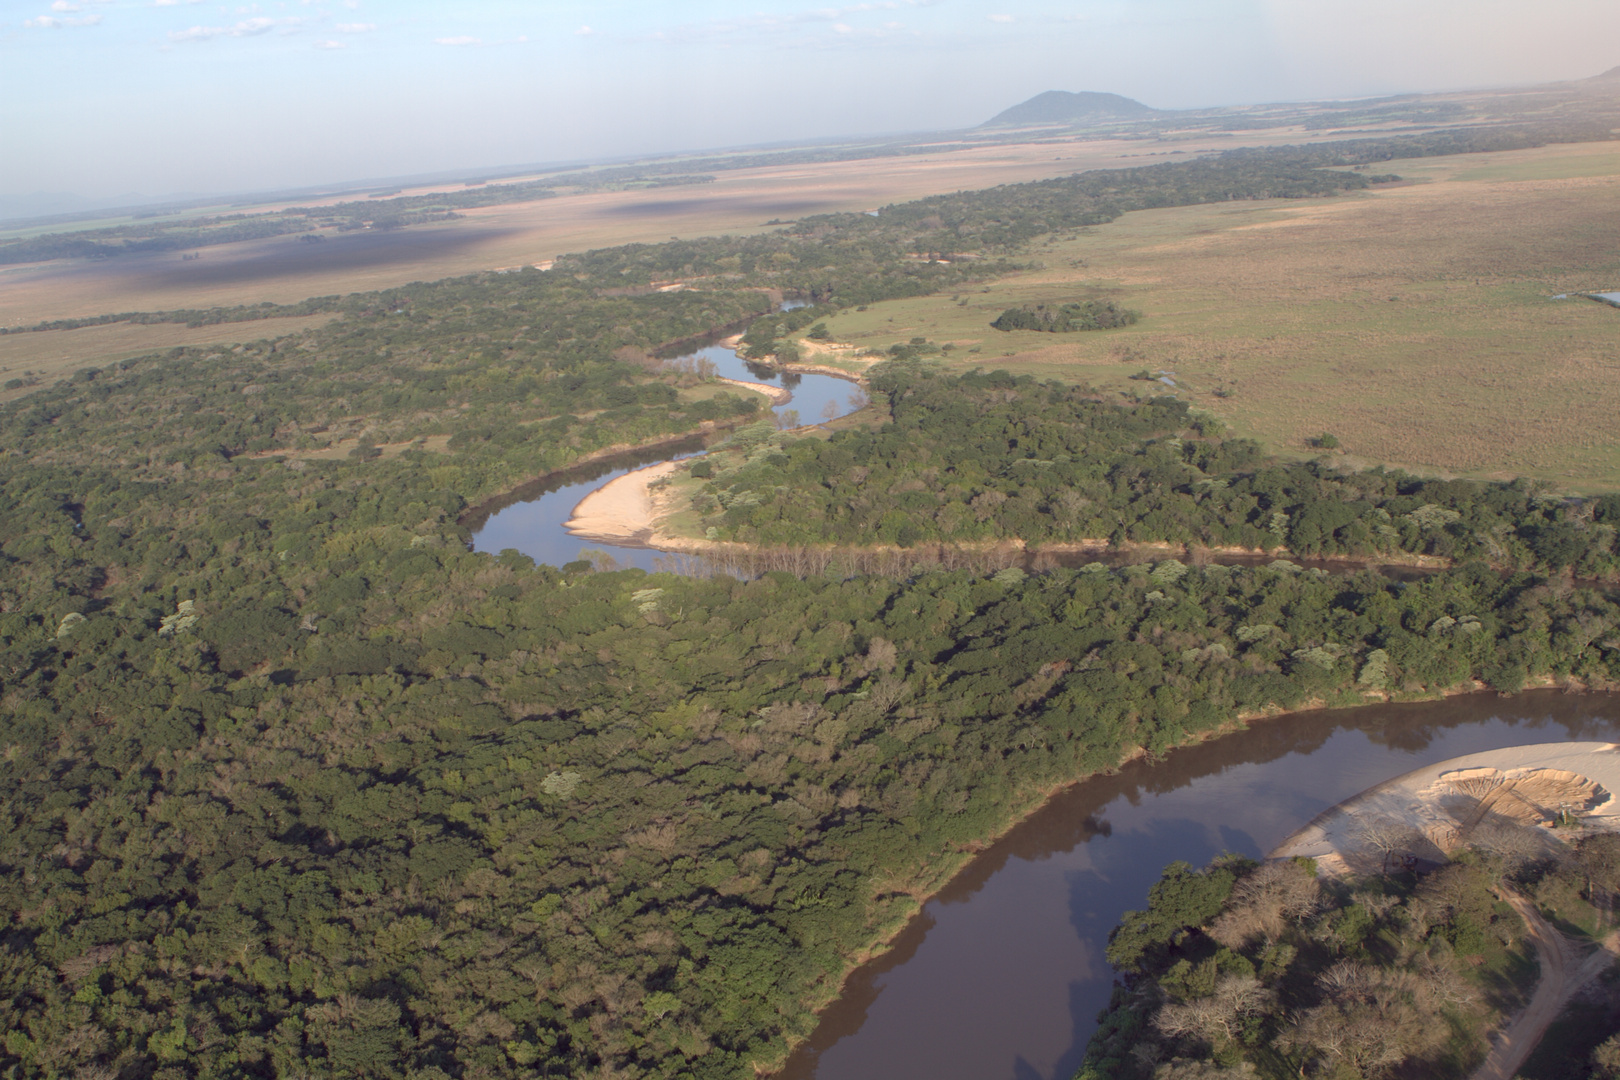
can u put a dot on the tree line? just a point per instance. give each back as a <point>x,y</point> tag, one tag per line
<point>983,457</point>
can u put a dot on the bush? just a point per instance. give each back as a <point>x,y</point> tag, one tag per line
<point>1069,318</point>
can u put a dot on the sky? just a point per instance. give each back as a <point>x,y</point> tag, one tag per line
<point>106,98</point>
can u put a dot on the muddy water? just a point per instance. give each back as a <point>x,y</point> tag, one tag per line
<point>1001,977</point>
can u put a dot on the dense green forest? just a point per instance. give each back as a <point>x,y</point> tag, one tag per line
<point>981,457</point>
<point>1256,970</point>
<point>295,783</point>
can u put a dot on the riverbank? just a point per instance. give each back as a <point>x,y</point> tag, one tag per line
<point>1429,812</point>
<point>490,504</point>
<point>949,867</point>
<point>779,395</point>
<point>641,520</point>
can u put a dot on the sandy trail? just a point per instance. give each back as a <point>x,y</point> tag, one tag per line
<point>1562,974</point>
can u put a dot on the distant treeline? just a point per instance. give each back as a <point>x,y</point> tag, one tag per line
<point>384,213</point>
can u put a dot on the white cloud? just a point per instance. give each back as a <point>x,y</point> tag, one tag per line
<point>1000,18</point>
<point>355,27</point>
<point>793,22</point>
<point>48,22</point>
<point>63,5</point>
<point>330,45</point>
<point>458,41</point>
<point>584,31</point>
<point>246,28</point>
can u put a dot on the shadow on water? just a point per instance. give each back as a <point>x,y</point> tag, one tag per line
<point>1001,976</point>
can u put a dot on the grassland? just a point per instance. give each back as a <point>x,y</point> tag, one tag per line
<point>282,270</point>
<point>1415,323</point>
<point>42,357</point>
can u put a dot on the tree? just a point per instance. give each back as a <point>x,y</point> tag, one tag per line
<point>1217,1019</point>
<point>1388,836</point>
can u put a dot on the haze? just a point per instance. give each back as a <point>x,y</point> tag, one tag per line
<point>109,99</point>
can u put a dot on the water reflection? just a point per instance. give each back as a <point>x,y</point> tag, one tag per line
<point>1002,975</point>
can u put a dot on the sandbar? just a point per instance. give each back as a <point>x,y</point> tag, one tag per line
<point>1430,812</point>
<point>623,510</point>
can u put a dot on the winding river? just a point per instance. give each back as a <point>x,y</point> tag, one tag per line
<point>532,519</point>
<point>1002,975</point>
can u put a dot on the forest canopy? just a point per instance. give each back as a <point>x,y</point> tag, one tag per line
<point>296,783</point>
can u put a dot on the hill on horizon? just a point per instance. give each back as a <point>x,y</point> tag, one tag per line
<point>1060,106</point>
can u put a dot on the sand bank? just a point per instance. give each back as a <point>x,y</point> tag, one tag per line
<point>622,511</point>
<point>1511,795</point>
<point>779,395</point>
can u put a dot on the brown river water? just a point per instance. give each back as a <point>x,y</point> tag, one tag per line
<point>1002,975</point>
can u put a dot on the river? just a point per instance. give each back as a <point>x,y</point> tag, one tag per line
<point>532,518</point>
<point>1002,975</point>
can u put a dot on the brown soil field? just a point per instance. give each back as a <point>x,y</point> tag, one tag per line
<point>1415,323</point>
<point>48,355</point>
<point>284,270</point>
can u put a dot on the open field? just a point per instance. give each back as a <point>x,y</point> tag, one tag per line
<point>284,270</point>
<point>1415,323</point>
<point>49,355</point>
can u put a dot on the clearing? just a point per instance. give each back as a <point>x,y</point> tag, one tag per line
<point>41,357</point>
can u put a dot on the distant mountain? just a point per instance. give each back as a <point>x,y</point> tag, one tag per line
<point>1062,107</point>
<point>1610,76</point>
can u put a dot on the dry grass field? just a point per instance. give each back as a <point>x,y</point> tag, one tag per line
<point>1415,323</point>
<point>42,358</point>
<point>283,270</point>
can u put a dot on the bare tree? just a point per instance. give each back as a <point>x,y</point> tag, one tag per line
<point>1371,1020</point>
<point>1264,902</point>
<point>1216,1019</point>
<point>1387,836</point>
